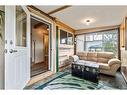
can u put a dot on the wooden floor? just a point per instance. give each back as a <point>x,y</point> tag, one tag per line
<point>38,68</point>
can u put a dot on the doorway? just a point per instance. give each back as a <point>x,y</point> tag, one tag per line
<point>40,45</point>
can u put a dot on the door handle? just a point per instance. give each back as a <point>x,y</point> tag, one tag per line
<point>13,51</point>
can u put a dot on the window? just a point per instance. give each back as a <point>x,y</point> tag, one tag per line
<point>97,37</point>
<point>106,41</point>
<point>66,37</point>
<point>20,27</point>
<point>70,39</point>
<point>89,37</point>
<point>63,37</point>
<point>80,45</point>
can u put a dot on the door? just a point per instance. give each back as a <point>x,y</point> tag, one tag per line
<point>17,47</point>
<point>47,40</point>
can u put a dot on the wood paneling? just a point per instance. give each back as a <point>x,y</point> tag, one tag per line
<point>122,34</point>
<point>36,9</point>
<point>58,22</point>
<point>64,26</point>
<point>58,9</point>
<point>64,51</point>
<point>123,42</point>
<point>126,33</point>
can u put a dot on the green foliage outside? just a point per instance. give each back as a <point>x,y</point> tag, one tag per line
<point>110,46</point>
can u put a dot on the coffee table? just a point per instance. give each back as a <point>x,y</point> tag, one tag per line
<point>87,70</point>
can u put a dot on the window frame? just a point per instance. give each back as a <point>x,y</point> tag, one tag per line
<point>118,39</point>
<point>67,32</point>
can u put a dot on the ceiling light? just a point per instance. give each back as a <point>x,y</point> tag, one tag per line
<point>88,21</point>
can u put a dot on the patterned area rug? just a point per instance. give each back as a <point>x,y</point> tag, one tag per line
<point>65,81</point>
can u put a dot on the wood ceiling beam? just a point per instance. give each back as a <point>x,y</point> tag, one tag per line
<point>58,9</point>
<point>33,7</point>
<point>64,26</point>
<point>53,18</point>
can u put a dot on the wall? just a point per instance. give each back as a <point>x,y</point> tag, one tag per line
<point>2,54</point>
<point>123,51</point>
<point>81,31</point>
<point>64,50</point>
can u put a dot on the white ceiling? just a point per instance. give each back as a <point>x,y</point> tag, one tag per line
<point>74,15</point>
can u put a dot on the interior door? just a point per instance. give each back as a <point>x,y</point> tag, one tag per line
<point>17,47</point>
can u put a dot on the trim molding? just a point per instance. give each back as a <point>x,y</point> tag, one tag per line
<point>57,50</point>
<point>36,9</point>
<point>58,10</point>
<point>97,29</point>
<point>63,25</point>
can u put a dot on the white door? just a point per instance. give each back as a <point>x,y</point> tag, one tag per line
<point>17,47</point>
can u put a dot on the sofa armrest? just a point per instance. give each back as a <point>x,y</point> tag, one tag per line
<point>114,61</point>
<point>74,58</point>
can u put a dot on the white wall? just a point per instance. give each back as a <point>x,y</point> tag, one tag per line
<point>2,56</point>
<point>37,35</point>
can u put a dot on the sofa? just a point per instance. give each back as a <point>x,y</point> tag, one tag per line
<point>108,64</point>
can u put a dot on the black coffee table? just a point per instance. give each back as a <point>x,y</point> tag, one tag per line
<point>86,70</point>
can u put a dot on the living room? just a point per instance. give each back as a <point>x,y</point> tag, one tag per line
<point>89,38</point>
<point>63,47</point>
<point>85,49</point>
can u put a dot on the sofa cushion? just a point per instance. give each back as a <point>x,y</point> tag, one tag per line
<point>82,58</point>
<point>104,66</point>
<point>102,60</point>
<point>82,55</point>
<point>108,55</point>
<point>114,61</point>
<point>104,57</point>
<point>92,56</point>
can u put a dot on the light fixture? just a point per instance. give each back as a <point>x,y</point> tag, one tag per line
<point>88,21</point>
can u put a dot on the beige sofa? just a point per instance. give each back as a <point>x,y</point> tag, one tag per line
<point>107,63</point>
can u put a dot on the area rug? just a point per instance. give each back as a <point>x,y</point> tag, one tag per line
<point>65,81</point>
